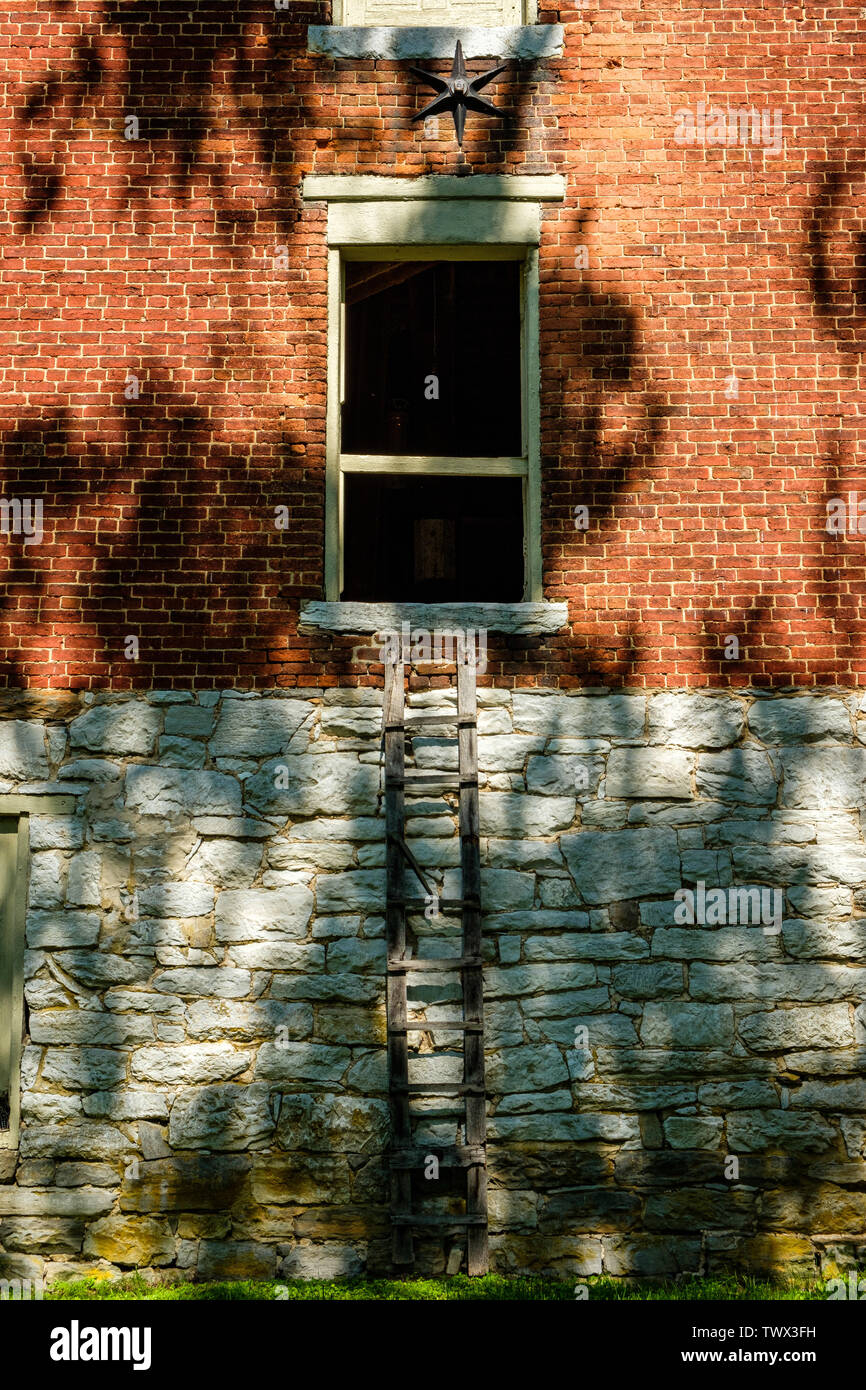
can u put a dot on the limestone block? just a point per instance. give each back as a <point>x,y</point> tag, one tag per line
<point>172,792</point>
<point>128,1104</point>
<point>200,1183</point>
<point>719,943</point>
<point>579,715</point>
<point>521,814</point>
<point>22,750</point>
<point>349,989</point>
<point>342,1124</point>
<point>255,914</point>
<point>530,1129</point>
<point>86,1026</point>
<point>565,1005</point>
<point>59,929</point>
<point>690,720</point>
<point>95,969</point>
<point>782,982</point>
<point>754,1131</point>
<point>45,1107</point>
<point>90,770</point>
<point>799,719</point>
<point>644,773</point>
<point>235,1259</point>
<point>632,1096</point>
<point>225,863</point>
<point>742,775</point>
<point>507,752</point>
<point>501,889</point>
<point>307,1178</point>
<point>693,1131</point>
<point>57,1235</point>
<point>55,832</point>
<point>526,855</point>
<point>671,1024</point>
<point>257,728</point>
<point>191,721</point>
<point>647,1256</point>
<point>321,1261</point>
<point>503,983</point>
<point>84,888</point>
<point>610,866</point>
<point>830,1095</point>
<point>77,1202</point>
<point>351,1025</point>
<point>586,946</point>
<point>278,955</point>
<point>128,729</point>
<point>354,954</point>
<point>779,1029</point>
<point>181,752</point>
<point>648,981</point>
<point>309,784</point>
<point>835,940</point>
<point>47,881</point>
<point>826,776</point>
<point>92,1142</point>
<point>130,1240</point>
<point>363,889</point>
<point>524,1068</point>
<point>176,900</point>
<point>347,721</point>
<point>301,1062</point>
<point>184,1065</point>
<point>222,1117</point>
<point>84,1068</point>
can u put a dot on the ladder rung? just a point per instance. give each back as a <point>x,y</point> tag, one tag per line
<point>443,905</point>
<point>420,721</point>
<point>406,1218</point>
<point>449,1156</point>
<point>438,1023</point>
<point>401,967</point>
<point>436,1088</point>
<point>413,780</point>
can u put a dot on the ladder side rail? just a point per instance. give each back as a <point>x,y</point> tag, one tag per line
<point>473,981</point>
<point>395,984</point>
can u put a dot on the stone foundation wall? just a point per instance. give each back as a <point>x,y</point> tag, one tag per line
<point>204,1076</point>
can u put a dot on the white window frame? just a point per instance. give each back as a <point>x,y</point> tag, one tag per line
<point>434,218</point>
<point>14,864</point>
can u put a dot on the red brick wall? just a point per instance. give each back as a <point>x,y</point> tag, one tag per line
<point>156,256</point>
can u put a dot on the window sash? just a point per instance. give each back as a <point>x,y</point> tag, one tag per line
<point>527,466</point>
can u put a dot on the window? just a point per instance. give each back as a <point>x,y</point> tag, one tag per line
<point>433,454</point>
<point>433,470</point>
<point>14,850</point>
<point>431,431</point>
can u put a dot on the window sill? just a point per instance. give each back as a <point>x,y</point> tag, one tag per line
<point>533,619</point>
<point>527,41</point>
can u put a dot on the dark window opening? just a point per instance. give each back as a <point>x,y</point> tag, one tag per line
<point>5,1110</point>
<point>432,359</point>
<point>433,539</point>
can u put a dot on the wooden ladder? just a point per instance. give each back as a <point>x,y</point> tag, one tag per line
<point>406,1155</point>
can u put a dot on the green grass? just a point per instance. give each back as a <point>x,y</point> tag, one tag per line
<point>493,1287</point>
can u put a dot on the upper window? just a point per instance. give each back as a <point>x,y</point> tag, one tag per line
<point>433,439</point>
<point>433,12</point>
<point>432,454</point>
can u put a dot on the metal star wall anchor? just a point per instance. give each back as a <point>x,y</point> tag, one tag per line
<point>458,93</point>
